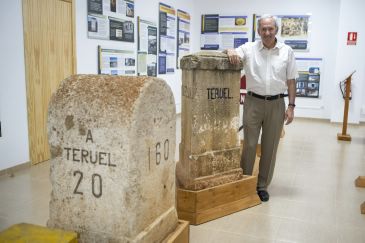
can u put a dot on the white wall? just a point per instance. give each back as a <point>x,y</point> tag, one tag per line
<point>148,10</point>
<point>348,59</point>
<point>331,20</point>
<point>13,114</point>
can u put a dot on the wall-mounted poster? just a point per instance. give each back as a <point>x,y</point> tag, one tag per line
<point>183,35</point>
<point>98,26</point>
<point>293,30</point>
<point>120,30</point>
<point>111,19</point>
<point>116,62</point>
<point>309,70</point>
<point>209,37</point>
<point>167,42</point>
<point>220,32</point>
<point>233,31</point>
<point>147,48</point>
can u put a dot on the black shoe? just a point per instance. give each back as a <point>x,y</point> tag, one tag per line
<point>264,195</point>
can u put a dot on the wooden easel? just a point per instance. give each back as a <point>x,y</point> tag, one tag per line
<point>344,136</point>
<point>360,181</point>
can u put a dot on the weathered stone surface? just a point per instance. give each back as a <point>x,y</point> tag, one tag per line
<point>112,142</point>
<point>210,60</point>
<point>210,146</point>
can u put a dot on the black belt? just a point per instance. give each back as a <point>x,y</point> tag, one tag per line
<point>265,97</point>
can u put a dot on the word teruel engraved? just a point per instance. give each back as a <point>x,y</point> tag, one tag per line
<point>92,157</point>
<point>88,156</point>
<point>188,92</point>
<point>218,93</point>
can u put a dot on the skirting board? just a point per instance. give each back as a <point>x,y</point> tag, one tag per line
<point>204,205</point>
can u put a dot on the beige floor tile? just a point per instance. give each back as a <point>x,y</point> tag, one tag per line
<point>276,207</point>
<point>281,192</point>
<point>205,235</point>
<point>351,235</point>
<point>302,232</point>
<point>313,193</point>
<point>199,234</point>
<point>36,212</point>
<point>349,215</point>
<point>327,181</point>
<point>254,225</point>
<point>349,193</point>
<point>283,179</point>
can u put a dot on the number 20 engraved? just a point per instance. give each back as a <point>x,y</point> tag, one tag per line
<point>94,179</point>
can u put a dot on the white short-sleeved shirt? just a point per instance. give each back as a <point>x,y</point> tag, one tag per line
<point>267,70</point>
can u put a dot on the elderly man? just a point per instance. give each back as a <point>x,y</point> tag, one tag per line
<point>270,70</point>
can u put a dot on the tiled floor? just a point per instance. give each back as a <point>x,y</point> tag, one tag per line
<point>313,197</point>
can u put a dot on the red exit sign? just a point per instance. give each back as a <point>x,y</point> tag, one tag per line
<point>351,38</point>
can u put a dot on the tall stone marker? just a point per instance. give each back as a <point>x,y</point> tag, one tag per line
<point>210,151</point>
<point>210,145</point>
<point>112,142</point>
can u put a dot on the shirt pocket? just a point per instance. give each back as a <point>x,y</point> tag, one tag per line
<point>279,69</point>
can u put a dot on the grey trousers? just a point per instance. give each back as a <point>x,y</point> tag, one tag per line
<point>269,116</point>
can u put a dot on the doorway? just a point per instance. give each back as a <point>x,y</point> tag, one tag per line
<point>49,46</point>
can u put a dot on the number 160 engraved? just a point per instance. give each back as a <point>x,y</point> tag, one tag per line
<point>158,149</point>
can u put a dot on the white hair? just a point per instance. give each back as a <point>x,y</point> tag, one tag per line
<point>268,16</point>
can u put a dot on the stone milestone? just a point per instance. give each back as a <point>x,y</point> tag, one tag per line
<point>112,142</point>
<point>210,146</point>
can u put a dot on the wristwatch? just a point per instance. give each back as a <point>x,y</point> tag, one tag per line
<point>292,105</point>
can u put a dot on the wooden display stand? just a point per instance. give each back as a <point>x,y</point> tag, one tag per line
<point>360,182</point>
<point>204,205</point>
<point>180,234</point>
<point>344,136</point>
<point>201,206</point>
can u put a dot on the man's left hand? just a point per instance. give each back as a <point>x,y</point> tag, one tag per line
<point>289,115</point>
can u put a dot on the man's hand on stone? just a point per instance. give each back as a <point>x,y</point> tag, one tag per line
<point>233,56</point>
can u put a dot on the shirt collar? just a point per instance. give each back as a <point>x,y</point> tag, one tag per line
<point>278,45</point>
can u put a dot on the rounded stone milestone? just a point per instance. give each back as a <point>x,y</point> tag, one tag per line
<point>112,142</point>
